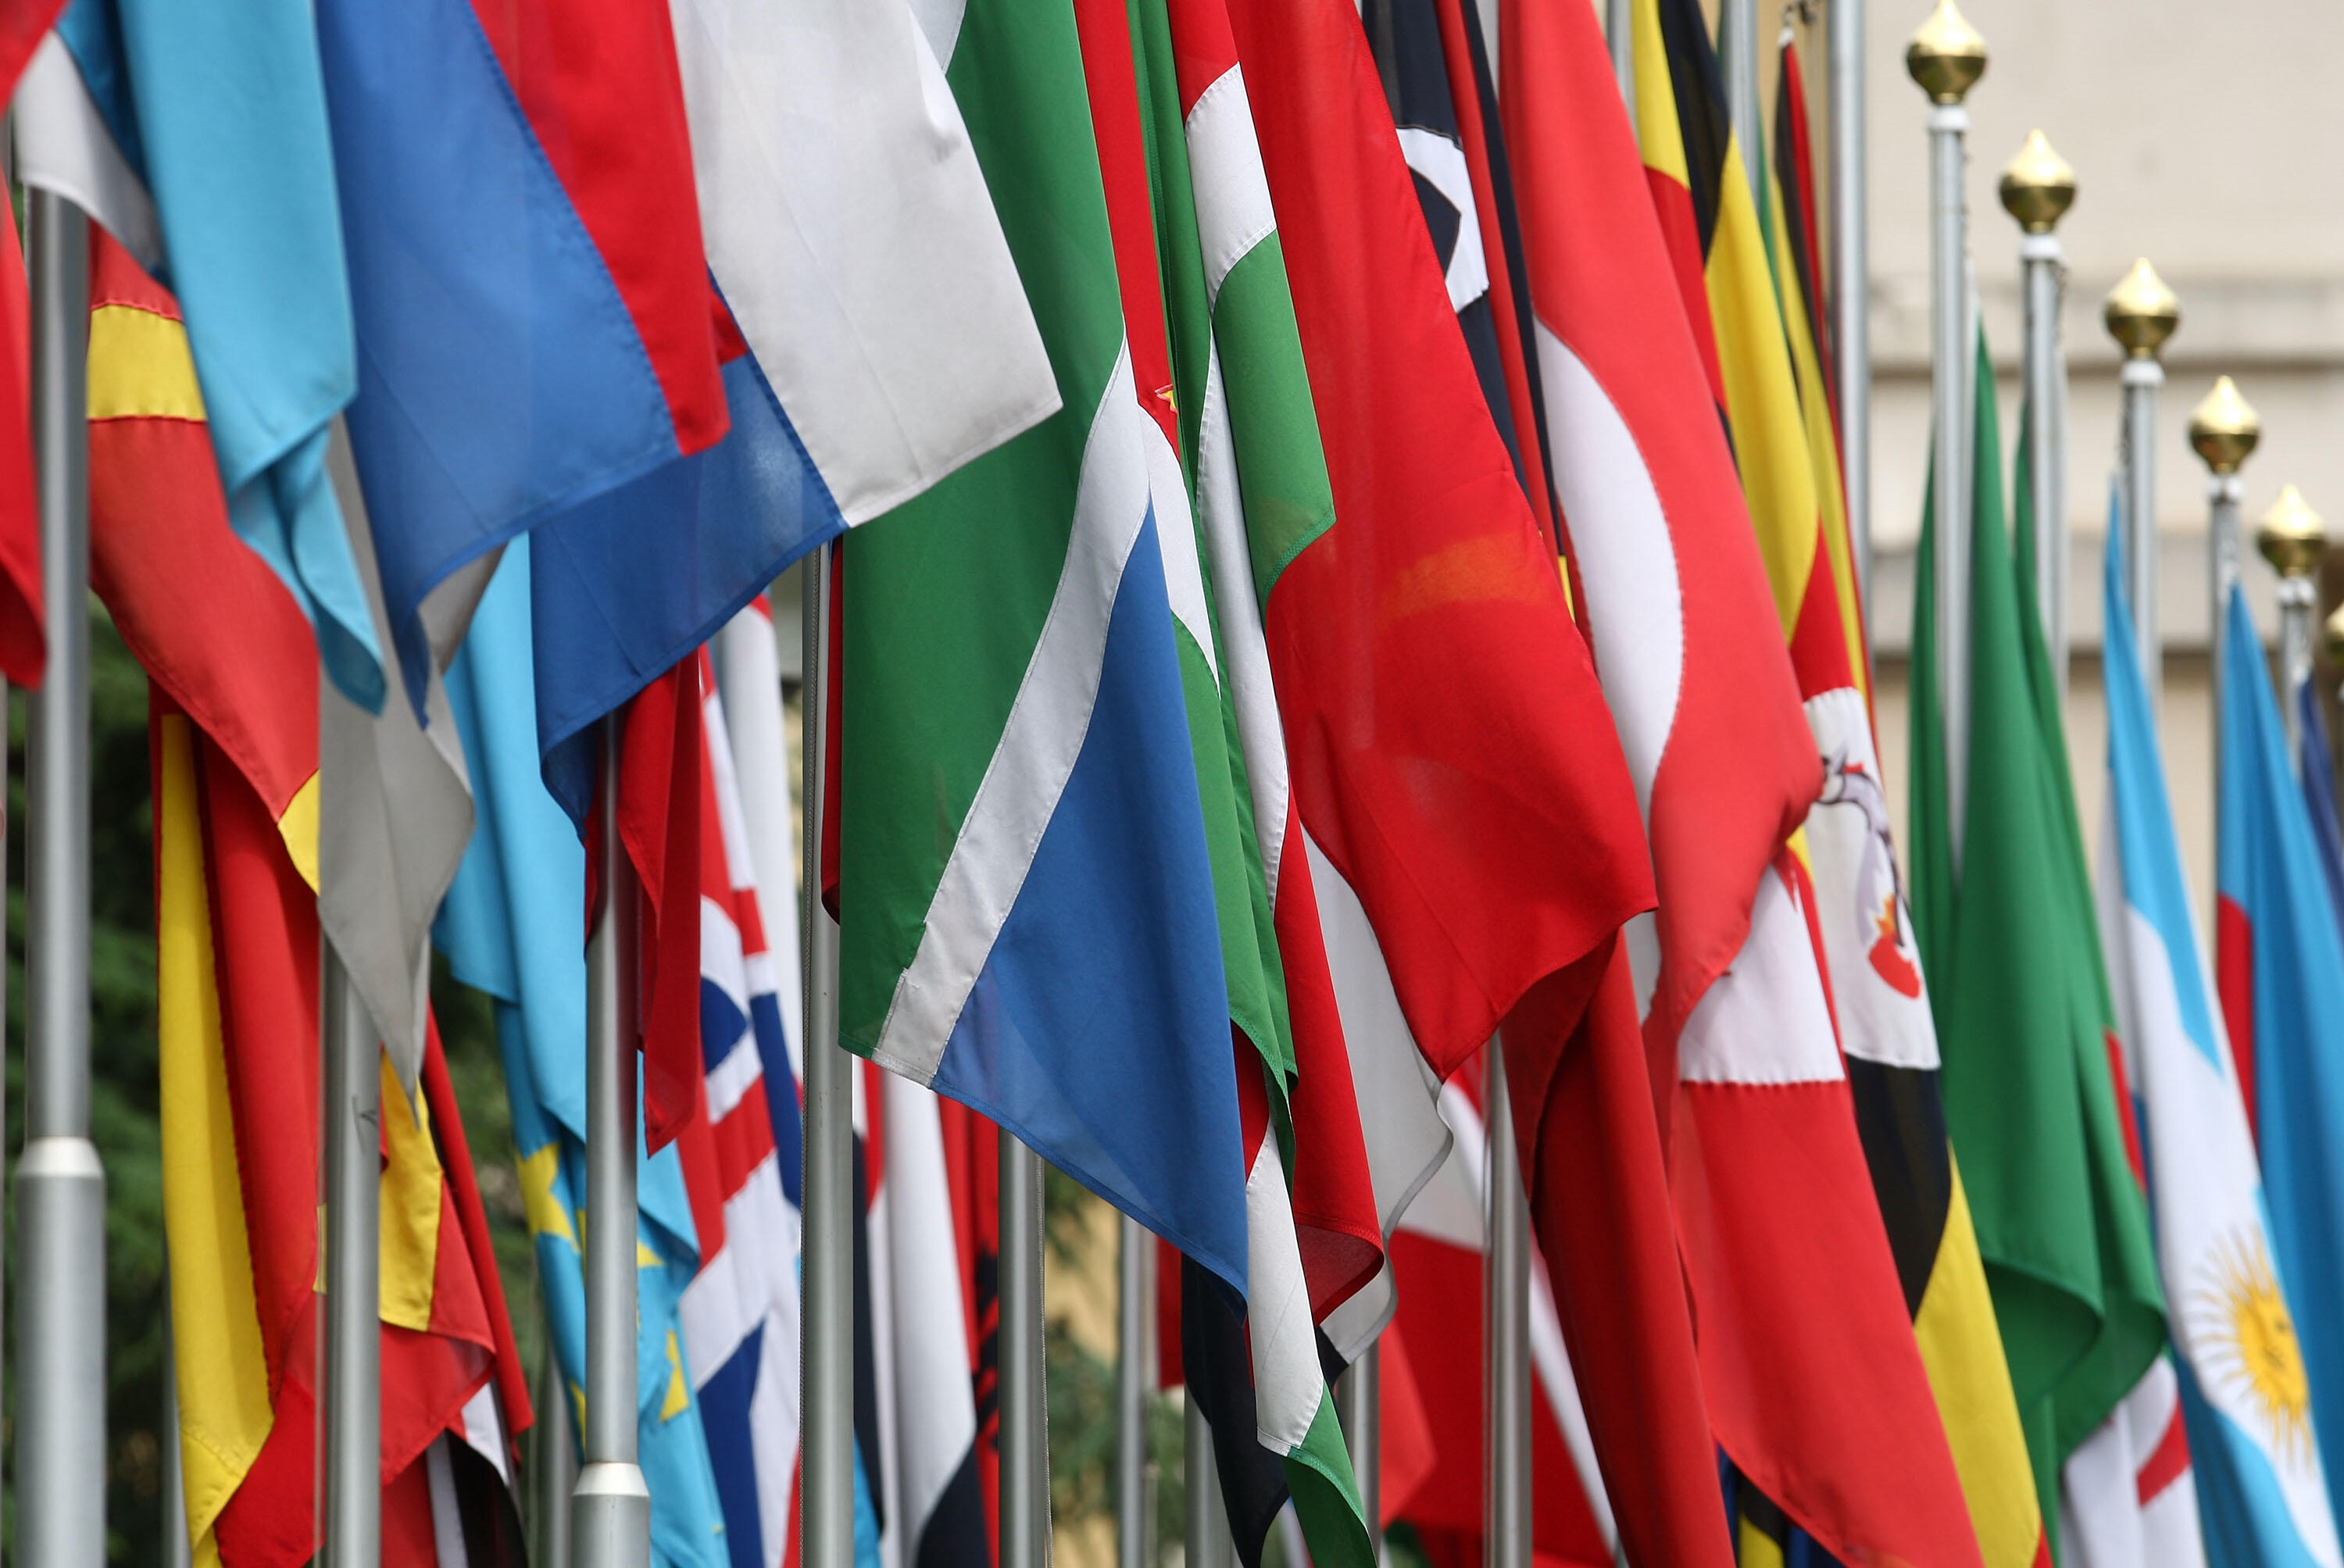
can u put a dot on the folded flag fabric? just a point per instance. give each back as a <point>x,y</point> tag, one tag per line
<point>527,280</point>
<point>749,679</point>
<point>2244,1391</point>
<point>2282,972</point>
<point>236,858</point>
<point>1237,400</point>
<point>1009,661</point>
<point>513,927</point>
<point>2020,999</point>
<point>199,137</point>
<point>2317,766</point>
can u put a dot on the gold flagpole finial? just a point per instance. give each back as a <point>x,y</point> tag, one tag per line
<point>2291,536</point>
<point>2334,631</point>
<point>2225,428</point>
<point>2038,186</point>
<point>1946,56</point>
<point>2141,312</point>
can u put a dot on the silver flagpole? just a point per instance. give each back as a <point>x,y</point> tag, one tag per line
<point>828,1374</point>
<point>1025,1417</point>
<point>1134,1384</point>
<point>1737,27</point>
<point>2223,429</point>
<point>353,1394</point>
<point>1946,57</point>
<point>60,1428</point>
<point>1506,1335</point>
<point>2038,189</point>
<point>610,1507</point>
<point>1617,32</point>
<point>1851,277</point>
<point>553,1464</point>
<point>1208,1542</point>
<point>2293,540</point>
<point>2141,314</point>
<point>1358,1395</point>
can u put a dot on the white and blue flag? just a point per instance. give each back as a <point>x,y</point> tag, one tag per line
<point>2245,1394</point>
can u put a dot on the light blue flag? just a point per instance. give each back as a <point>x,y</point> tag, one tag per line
<point>2276,904</point>
<point>198,135</point>
<point>514,925</point>
<point>2253,1448</point>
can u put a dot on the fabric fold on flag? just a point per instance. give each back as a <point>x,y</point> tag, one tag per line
<point>2244,1391</point>
<point>24,626</point>
<point>199,137</point>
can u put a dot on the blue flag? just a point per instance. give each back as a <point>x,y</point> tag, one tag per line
<point>2268,874</point>
<point>199,135</point>
<point>2319,774</point>
<point>514,925</point>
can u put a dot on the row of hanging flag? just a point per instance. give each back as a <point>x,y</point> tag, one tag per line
<point>1357,568</point>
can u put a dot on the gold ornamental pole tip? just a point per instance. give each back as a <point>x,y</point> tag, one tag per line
<point>2225,428</point>
<point>1946,56</point>
<point>2038,186</point>
<point>2291,536</point>
<point>2141,312</point>
<point>2334,635</point>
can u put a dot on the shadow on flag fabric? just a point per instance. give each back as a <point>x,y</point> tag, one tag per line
<point>1026,902</point>
<point>2022,1012</point>
<point>513,927</point>
<point>199,137</point>
<point>2283,977</point>
<point>2244,1391</point>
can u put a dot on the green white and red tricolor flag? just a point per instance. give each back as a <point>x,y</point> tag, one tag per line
<point>1284,1049</point>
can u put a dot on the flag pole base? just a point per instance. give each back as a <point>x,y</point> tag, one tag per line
<point>61,1360</point>
<point>611,1517</point>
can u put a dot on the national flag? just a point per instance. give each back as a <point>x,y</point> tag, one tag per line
<point>236,857</point>
<point>2282,985</point>
<point>1793,1279</point>
<point>748,678</point>
<point>1493,881</point>
<point>1283,1408</point>
<point>2021,1004</point>
<point>199,137</point>
<point>972,1158</point>
<point>23,634</point>
<point>742,1155</point>
<point>513,927</point>
<point>1437,1254</point>
<point>2244,1391</point>
<point>1045,950</point>
<point>1237,400</point>
<point>2316,764</point>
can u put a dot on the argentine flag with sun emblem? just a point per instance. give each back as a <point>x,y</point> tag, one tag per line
<point>2245,1394</point>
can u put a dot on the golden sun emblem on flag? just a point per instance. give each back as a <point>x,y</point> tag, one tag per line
<point>2237,1314</point>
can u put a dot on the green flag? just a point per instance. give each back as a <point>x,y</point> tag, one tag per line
<point>2010,944</point>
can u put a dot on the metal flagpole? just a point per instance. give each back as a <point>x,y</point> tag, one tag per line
<point>1134,1384</point>
<point>828,1347</point>
<point>1506,1335</point>
<point>553,1464</point>
<point>1025,1417</point>
<point>178,1552</point>
<point>60,1425</point>
<point>353,1394</point>
<point>1737,27</point>
<point>1946,57</point>
<point>2141,314</point>
<point>1617,32</point>
<point>2223,429</point>
<point>2293,540</point>
<point>610,1507</point>
<point>1851,277</point>
<point>1358,1395</point>
<point>2038,189</point>
<point>1208,1542</point>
